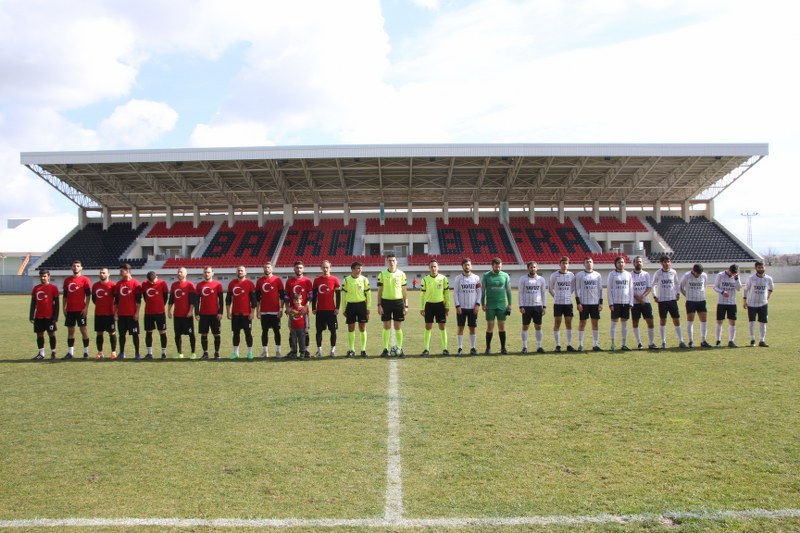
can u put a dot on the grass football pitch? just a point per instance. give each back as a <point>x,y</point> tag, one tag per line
<point>675,440</point>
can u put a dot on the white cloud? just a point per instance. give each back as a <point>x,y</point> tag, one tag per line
<point>137,123</point>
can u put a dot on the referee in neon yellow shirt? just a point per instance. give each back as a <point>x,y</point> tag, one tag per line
<point>434,304</point>
<point>392,303</point>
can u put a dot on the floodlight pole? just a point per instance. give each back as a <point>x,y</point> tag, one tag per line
<point>749,227</point>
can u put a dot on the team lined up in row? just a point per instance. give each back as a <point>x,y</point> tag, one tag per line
<point>117,306</point>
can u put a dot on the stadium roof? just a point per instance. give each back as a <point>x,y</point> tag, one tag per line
<point>365,176</point>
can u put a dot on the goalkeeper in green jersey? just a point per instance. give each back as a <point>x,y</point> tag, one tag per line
<point>496,303</point>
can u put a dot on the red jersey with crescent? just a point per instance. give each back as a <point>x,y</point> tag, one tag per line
<point>325,288</point>
<point>45,296</point>
<point>126,293</point>
<point>75,290</point>
<point>269,289</point>
<point>182,298</point>
<point>295,285</point>
<point>240,292</point>
<point>155,296</point>
<point>297,320</point>
<point>103,297</point>
<point>207,292</point>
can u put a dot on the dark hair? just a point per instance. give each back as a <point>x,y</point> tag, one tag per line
<point>497,261</point>
<point>759,263</point>
<point>355,264</point>
<point>697,268</point>
<point>390,255</point>
<point>125,266</point>
<point>44,271</point>
<point>466,260</point>
<point>734,268</point>
<point>564,259</point>
<point>529,263</point>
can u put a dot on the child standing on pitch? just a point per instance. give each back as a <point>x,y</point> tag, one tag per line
<point>297,323</point>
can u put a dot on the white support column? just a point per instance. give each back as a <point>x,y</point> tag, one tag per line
<point>685,212</point>
<point>106,218</point>
<point>623,211</point>
<point>231,215</point>
<point>531,213</point>
<point>596,211</point>
<point>346,214</point>
<point>476,217</point>
<point>288,214</point>
<point>170,217</point>
<point>260,215</point>
<point>657,211</point>
<point>196,217</point>
<point>82,218</point>
<point>410,216</point>
<point>446,213</point>
<point>710,209</point>
<point>561,211</point>
<point>316,215</point>
<point>134,217</point>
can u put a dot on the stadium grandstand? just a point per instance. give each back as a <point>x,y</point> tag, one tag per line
<point>160,209</point>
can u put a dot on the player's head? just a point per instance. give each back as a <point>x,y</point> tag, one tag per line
<point>182,273</point>
<point>497,264</point>
<point>433,267</point>
<point>563,264</point>
<point>103,273</point>
<point>152,276</point>
<point>355,268</point>
<point>619,263</point>
<point>760,268</point>
<point>733,269</point>
<point>588,264</point>
<point>298,268</point>
<point>325,266</point>
<point>77,266</point>
<point>297,298</point>
<point>533,266</point>
<point>268,268</point>
<point>125,270</point>
<point>241,272</point>
<point>208,273</point>
<point>44,275</point>
<point>638,263</point>
<point>665,263</point>
<point>466,265</point>
<point>697,270</point>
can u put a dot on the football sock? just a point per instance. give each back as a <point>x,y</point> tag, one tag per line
<point>426,339</point>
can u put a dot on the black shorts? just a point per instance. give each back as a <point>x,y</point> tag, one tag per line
<point>642,311</point>
<point>532,313</point>
<point>158,322</point>
<point>326,320</point>
<point>270,322</point>
<point>183,325</point>
<point>40,325</point>
<point>355,312</point>
<point>240,322</point>
<point>74,318</point>
<point>724,310</point>
<point>563,310</point>
<point>435,312</point>
<point>670,307</point>
<point>104,323</point>
<point>621,311</point>
<point>757,313</point>
<point>696,307</point>
<point>393,310</point>
<point>126,324</point>
<point>208,322</point>
<point>468,317</point>
<point>590,311</point>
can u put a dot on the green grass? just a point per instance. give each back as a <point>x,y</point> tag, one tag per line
<point>577,434</point>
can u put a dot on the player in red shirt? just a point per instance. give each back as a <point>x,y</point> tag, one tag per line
<point>77,293</point>
<point>269,294</point>
<point>298,312</point>
<point>298,284</point>
<point>44,313</point>
<point>128,298</point>
<point>209,310</point>
<point>182,299</point>
<point>103,299</point>
<point>326,295</point>
<point>155,294</point>
<point>241,308</point>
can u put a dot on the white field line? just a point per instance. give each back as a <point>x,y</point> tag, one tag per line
<point>393,507</point>
<point>456,522</point>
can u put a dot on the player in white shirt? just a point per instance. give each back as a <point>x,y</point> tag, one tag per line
<point>693,287</point>
<point>589,300</point>
<point>620,300</point>
<point>532,293</point>
<point>666,292</point>
<point>757,291</point>
<point>562,287</point>
<point>725,285</point>
<point>467,296</point>
<point>642,287</point>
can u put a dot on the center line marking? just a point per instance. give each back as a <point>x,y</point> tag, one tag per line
<point>393,510</point>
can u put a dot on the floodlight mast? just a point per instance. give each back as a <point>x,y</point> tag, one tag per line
<point>749,228</point>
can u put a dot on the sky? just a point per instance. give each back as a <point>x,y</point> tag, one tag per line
<point>98,75</point>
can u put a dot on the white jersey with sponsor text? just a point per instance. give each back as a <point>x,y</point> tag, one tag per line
<point>642,282</point>
<point>694,288</point>
<point>589,287</point>
<point>562,287</point>
<point>757,289</point>
<point>665,285</point>
<point>620,288</point>
<point>725,283</point>
<point>467,290</point>
<point>532,291</point>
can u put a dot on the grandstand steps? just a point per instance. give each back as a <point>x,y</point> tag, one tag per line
<point>361,231</point>
<point>594,246</point>
<point>434,247</point>
<point>200,249</point>
<point>520,259</point>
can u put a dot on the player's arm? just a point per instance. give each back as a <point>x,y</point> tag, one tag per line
<point>138,305</point>
<point>33,307</point>
<point>367,294</point>
<point>170,303</point>
<point>337,294</point>
<point>446,295</point>
<point>403,291</point>
<point>220,304</point>
<point>228,302</point>
<point>87,291</point>
<point>483,294</point>
<point>56,307</point>
<point>312,297</point>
